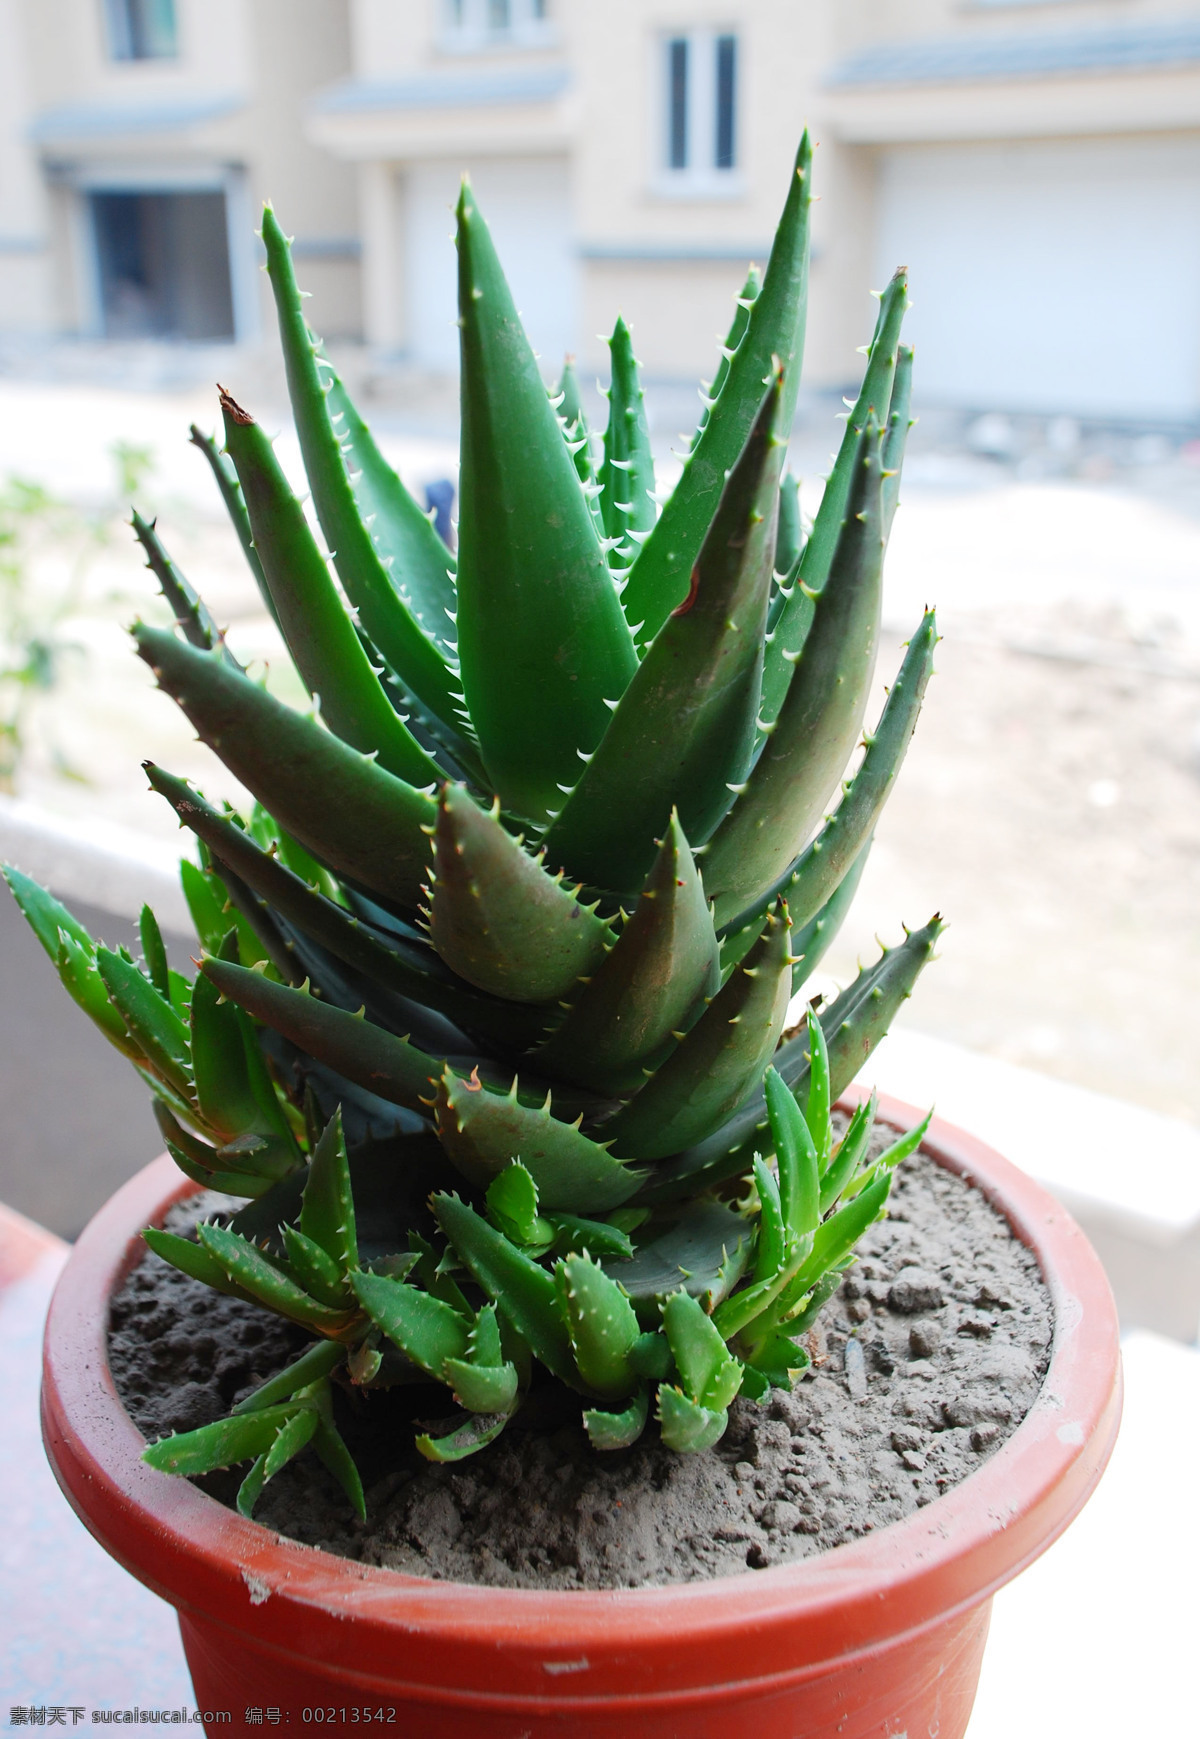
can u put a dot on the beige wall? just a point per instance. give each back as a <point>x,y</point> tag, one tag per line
<point>296,47</point>
<point>669,259</point>
<point>264,58</point>
<point>26,292</point>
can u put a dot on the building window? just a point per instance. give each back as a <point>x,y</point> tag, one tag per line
<point>701,73</point>
<point>141,29</point>
<point>475,24</point>
<point>162,265</point>
<point>677,102</point>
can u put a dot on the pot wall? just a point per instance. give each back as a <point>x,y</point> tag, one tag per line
<point>917,1686</point>
<point>878,1638</point>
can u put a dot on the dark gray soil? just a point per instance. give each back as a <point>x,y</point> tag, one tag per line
<point>927,1359</point>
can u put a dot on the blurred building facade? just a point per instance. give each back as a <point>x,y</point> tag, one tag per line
<point>137,139</point>
<point>1036,163</point>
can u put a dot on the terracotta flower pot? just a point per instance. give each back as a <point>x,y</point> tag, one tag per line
<point>880,1637</point>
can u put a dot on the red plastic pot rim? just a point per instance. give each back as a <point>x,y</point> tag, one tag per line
<point>784,1623</point>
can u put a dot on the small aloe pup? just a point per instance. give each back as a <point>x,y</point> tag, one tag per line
<point>488,1031</point>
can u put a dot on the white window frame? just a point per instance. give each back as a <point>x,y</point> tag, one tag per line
<point>699,178</point>
<point>468,26</point>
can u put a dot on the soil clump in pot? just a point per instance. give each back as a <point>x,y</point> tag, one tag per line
<point>924,1363</point>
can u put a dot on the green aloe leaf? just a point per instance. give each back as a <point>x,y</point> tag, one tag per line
<point>569,407</point>
<point>849,1153</point>
<point>618,1430</point>
<point>596,1238</point>
<point>251,1488</point>
<point>705,1250</point>
<point>420,566</point>
<point>525,1293</point>
<point>790,534</point>
<point>770,1247</point>
<point>327,1214</point>
<point>191,1259</point>
<point>626,474</point>
<point>812,941</point>
<point>485,1346</point>
<point>151,1019</point>
<point>82,979</point>
<point>791,627</point>
<point>708,1372</point>
<point>317,1361</point>
<point>853,1025</point>
<point>426,1329</point>
<point>837,1236</point>
<point>234,1183</point>
<point>481,1131</point>
<point>774,329</point>
<point>333,1452</point>
<point>192,615</point>
<point>686,1426</point>
<point>414,973</point>
<point>364,1053</point>
<point>512,1203</point>
<point>710,391</point>
<point>830,858</point>
<point>716,1064</point>
<point>602,1324</point>
<point>319,634</point>
<point>498,918</point>
<point>231,494</point>
<point>222,1444</point>
<point>806,752</point>
<point>248,1268</point>
<point>74,955</point>
<point>890,1159</point>
<point>224,1092</point>
<point>650,985</point>
<point>47,917</point>
<point>482,1388</point>
<point>818,1100</point>
<point>204,902</point>
<point>684,729</point>
<point>293,1436</point>
<point>541,637</point>
<point>154,953</point>
<point>413,654</point>
<point>363,822</point>
<point>474,1432</point>
<point>899,423</point>
<point>798,1318</point>
<point>796,1154</point>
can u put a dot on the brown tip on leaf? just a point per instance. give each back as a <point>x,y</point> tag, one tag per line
<point>474,1084</point>
<point>693,588</point>
<point>232,409</point>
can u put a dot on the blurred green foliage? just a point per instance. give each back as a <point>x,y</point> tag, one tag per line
<point>47,548</point>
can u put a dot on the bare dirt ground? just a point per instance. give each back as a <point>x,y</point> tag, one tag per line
<point>1050,805</point>
<point>1050,808</point>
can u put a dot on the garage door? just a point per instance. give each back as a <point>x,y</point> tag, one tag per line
<point>526,202</point>
<point>1050,278</point>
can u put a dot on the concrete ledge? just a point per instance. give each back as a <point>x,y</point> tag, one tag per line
<point>108,866</point>
<point>1131,1178</point>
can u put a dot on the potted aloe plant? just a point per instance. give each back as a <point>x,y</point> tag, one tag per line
<point>510,936</point>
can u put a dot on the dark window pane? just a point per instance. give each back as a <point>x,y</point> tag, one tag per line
<point>498,14</point>
<point>162,262</point>
<point>723,157</point>
<point>677,103</point>
<point>141,29</point>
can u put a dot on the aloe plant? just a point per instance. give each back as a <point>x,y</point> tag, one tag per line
<point>507,942</point>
